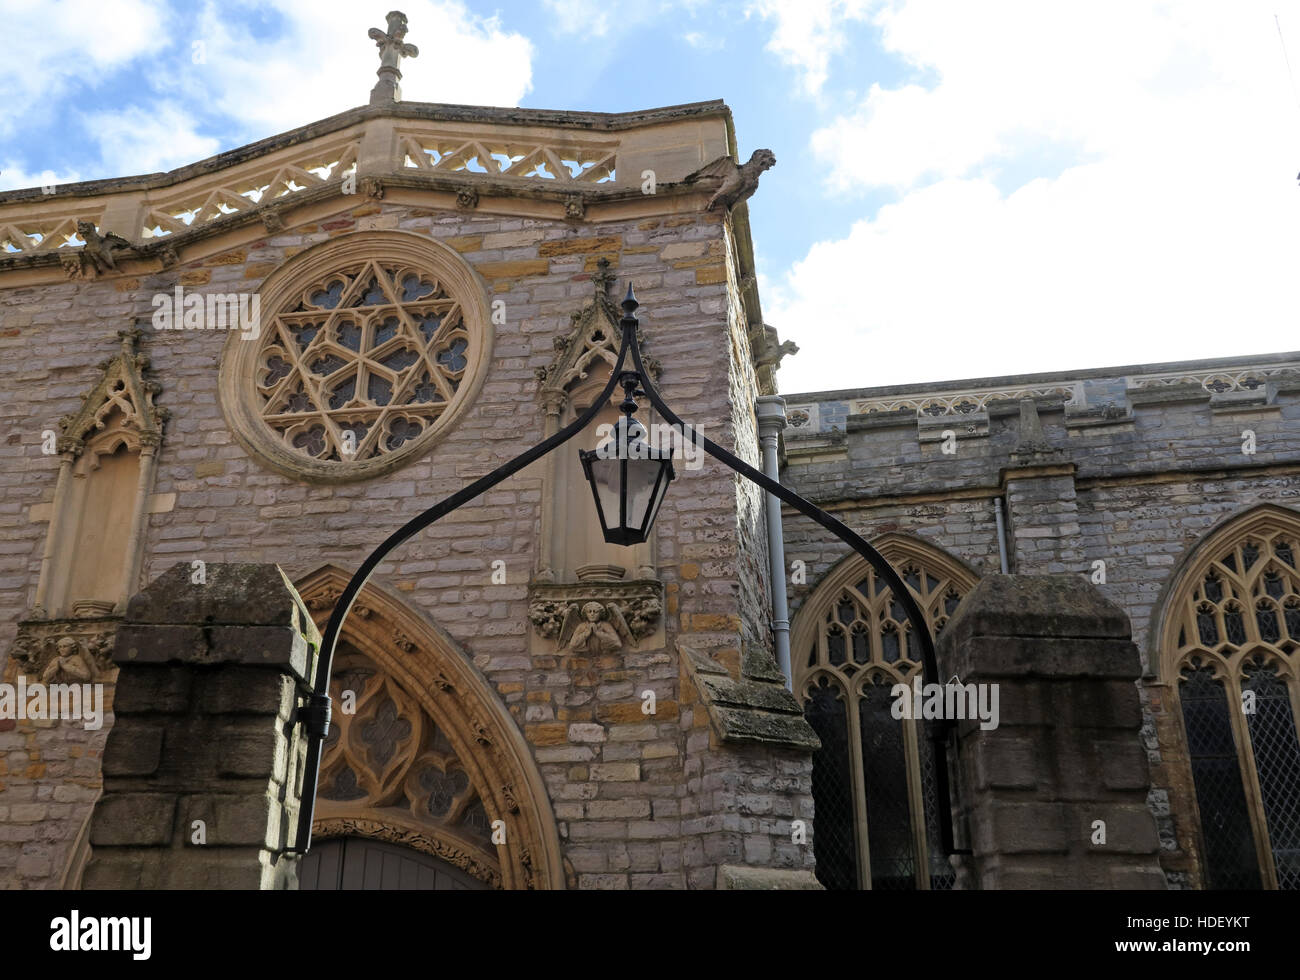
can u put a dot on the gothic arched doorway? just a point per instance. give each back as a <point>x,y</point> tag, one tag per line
<point>421,753</point>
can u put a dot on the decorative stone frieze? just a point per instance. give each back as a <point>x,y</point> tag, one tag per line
<point>65,651</point>
<point>596,617</point>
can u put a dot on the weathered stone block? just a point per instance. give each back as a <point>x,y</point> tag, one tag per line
<point>135,749</point>
<point>133,819</point>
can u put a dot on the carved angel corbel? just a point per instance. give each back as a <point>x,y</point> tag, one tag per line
<point>70,663</point>
<point>594,627</point>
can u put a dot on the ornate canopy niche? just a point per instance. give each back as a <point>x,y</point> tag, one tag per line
<point>572,547</point>
<point>107,456</point>
<point>429,759</point>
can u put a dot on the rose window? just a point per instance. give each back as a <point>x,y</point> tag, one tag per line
<point>365,361</point>
<point>362,359</point>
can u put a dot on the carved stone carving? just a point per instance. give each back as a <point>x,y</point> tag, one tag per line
<point>372,187</point>
<point>325,598</point>
<point>71,262</point>
<point>594,627</point>
<point>466,198</point>
<point>271,220</point>
<point>99,248</point>
<point>122,387</point>
<point>168,256</point>
<point>65,651</point>
<point>575,207</point>
<point>602,278</point>
<point>392,49</point>
<point>735,183</point>
<point>595,617</point>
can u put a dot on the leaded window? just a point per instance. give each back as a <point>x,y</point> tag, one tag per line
<point>876,820</point>
<point>1233,640</point>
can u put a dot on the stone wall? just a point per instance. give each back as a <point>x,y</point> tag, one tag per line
<point>1136,465</point>
<point>617,779</point>
<point>204,766</point>
<point>1054,795</point>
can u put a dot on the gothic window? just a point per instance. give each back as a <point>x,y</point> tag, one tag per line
<point>386,763</point>
<point>366,350</point>
<point>876,823</point>
<point>1232,648</point>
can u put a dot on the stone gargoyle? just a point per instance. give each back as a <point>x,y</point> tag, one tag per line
<point>99,248</point>
<point>736,183</point>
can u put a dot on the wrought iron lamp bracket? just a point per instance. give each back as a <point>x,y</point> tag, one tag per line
<point>636,383</point>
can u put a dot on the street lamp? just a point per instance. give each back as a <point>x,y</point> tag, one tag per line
<point>628,476</point>
<point>629,482</point>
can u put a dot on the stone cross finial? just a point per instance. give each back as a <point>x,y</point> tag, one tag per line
<point>602,277</point>
<point>392,49</point>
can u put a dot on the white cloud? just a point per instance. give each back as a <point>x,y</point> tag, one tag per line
<point>323,63</point>
<point>1172,234</point>
<point>143,141</point>
<point>56,46</point>
<point>809,32</point>
<point>589,17</point>
<point>13,177</point>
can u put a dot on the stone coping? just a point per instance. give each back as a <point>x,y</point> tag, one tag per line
<point>1202,366</point>
<point>425,111</point>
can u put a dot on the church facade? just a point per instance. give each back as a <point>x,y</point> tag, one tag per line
<point>279,355</point>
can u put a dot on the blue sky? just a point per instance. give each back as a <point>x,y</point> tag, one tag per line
<point>961,189</point>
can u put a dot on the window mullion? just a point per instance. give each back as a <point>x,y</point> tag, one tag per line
<point>1250,778</point>
<point>857,772</point>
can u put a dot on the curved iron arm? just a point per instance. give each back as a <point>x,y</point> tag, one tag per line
<point>316,713</point>
<point>939,734</point>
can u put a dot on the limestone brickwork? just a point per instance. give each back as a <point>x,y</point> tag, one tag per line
<point>1130,467</point>
<point>637,800</point>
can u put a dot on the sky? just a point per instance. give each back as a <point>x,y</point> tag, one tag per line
<point>962,189</point>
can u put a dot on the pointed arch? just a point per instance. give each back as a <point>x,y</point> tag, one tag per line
<point>1264,524</point>
<point>902,551</point>
<point>850,646</point>
<point>1228,649</point>
<point>419,674</point>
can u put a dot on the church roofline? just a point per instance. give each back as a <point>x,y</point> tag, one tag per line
<point>593,122</point>
<point>1200,366</point>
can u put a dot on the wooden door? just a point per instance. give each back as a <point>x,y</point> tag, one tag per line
<point>357,863</point>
